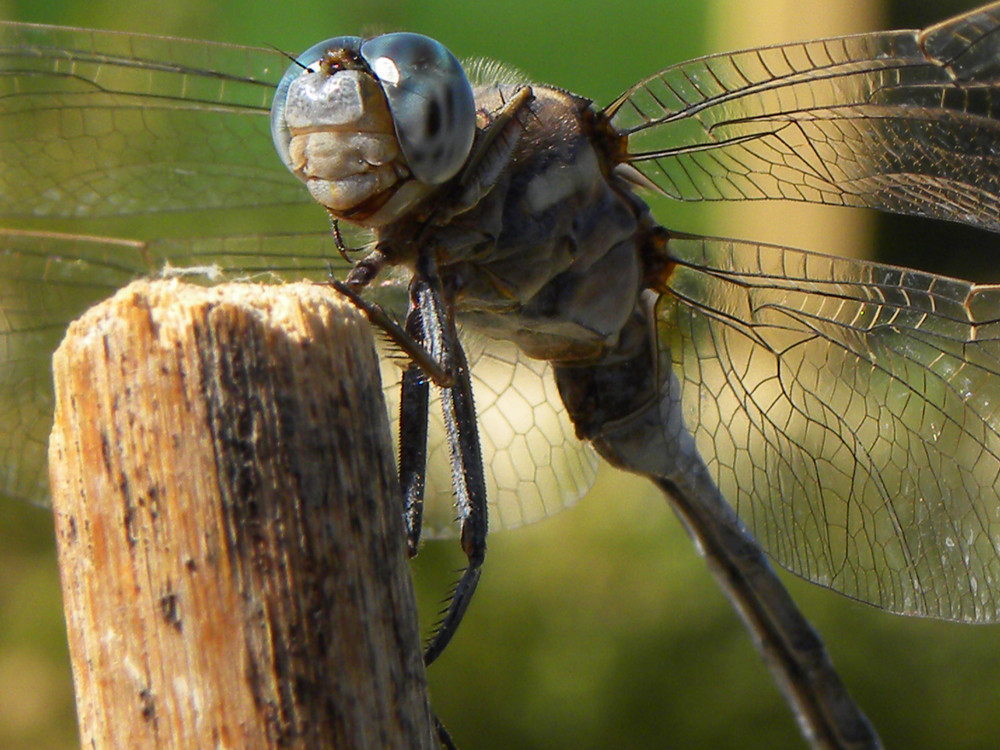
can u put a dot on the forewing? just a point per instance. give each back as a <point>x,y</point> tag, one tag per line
<point>96,124</point>
<point>850,412</point>
<point>905,121</point>
<point>119,153</point>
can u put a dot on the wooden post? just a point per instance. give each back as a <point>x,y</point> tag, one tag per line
<point>230,538</point>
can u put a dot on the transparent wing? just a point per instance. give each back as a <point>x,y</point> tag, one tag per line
<point>534,463</point>
<point>905,121</point>
<point>96,124</point>
<point>118,152</point>
<point>850,413</point>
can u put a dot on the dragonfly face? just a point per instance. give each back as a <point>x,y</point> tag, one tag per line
<point>844,409</point>
<point>371,126</point>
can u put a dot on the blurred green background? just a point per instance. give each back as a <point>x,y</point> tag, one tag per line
<point>598,628</point>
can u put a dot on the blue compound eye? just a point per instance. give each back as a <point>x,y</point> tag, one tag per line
<point>430,99</point>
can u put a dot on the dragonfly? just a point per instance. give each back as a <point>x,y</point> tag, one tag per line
<point>837,414</point>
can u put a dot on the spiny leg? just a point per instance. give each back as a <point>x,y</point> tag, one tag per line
<point>446,741</point>
<point>413,401</point>
<point>431,340</point>
<point>470,498</point>
<point>414,392</point>
<point>462,432</point>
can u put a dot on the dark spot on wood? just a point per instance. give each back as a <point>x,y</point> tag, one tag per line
<point>148,705</point>
<point>170,611</point>
<point>152,502</point>
<point>129,523</point>
<point>106,452</point>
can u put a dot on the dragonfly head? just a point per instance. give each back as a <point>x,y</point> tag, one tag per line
<point>371,126</point>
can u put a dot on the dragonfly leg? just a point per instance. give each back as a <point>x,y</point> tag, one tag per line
<point>413,407</point>
<point>446,741</point>
<point>413,348</point>
<point>470,492</point>
<point>364,270</point>
<point>462,433</point>
<point>430,339</point>
<point>413,403</point>
<point>338,240</point>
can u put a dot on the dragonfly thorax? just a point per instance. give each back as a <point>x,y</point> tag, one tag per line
<point>548,255</point>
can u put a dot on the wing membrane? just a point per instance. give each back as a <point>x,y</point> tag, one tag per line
<point>110,124</point>
<point>849,412</point>
<point>904,121</point>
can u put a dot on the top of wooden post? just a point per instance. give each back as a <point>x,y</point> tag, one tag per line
<point>230,536</point>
